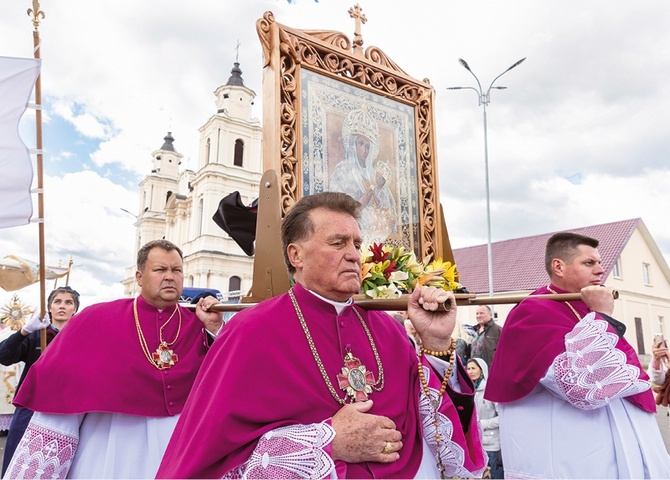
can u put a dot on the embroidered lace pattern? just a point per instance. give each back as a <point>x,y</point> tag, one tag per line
<point>42,453</point>
<point>451,453</point>
<point>592,372</point>
<point>290,452</point>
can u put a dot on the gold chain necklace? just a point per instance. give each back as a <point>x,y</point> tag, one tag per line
<point>163,358</point>
<point>354,379</point>
<point>579,317</point>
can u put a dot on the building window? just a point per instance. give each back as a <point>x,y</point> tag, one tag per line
<point>639,334</point>
<point>646,274</point>
<point>616,270</point>
<point>239,153</point>
<point>200,215</point>
<point>659,326</point>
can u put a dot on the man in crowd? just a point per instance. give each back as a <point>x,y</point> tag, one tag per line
<point>487,335</point>
<point>25,346</point>
<point>111,386</point>
<point>308,385</point>
<point>574,401</point>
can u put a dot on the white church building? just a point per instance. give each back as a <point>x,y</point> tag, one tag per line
<point>179,205</point>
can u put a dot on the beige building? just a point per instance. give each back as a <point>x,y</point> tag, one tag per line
<point>179,205</point>
<point>631,259</point>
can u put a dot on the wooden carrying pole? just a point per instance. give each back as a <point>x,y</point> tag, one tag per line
<point>400,304</point>
<point>36,14</point>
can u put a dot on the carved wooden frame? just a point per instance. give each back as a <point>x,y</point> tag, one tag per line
<point>330,53</point>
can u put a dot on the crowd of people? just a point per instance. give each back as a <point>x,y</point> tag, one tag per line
<point>309,385</point>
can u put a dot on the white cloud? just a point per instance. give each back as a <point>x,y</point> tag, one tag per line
<point>85,123</point>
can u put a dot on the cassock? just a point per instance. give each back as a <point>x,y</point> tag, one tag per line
<point>574,401</point>
<point>261,407</point>
<point>105,411</point>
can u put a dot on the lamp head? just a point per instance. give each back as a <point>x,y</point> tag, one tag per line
<point>465,64</point>
<point>516,64</point>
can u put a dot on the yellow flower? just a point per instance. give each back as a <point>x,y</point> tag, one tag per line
<point>447,271</point>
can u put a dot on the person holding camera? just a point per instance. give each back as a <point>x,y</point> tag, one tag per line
<point>659,361</point>
<point>658,371</point>
<point>567,366</point>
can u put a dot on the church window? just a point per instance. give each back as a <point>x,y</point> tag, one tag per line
<point>200,216</point>
<point>239,153</point>
<point>234,283</point>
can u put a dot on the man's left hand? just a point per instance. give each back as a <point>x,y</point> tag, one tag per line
<point>211,320</point>
<point>433,324</point>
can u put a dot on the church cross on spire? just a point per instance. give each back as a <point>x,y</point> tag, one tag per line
<point>355,12</point>
<point>237,51</point>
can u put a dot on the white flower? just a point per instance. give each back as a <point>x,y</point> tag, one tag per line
<point>398,276</point>
<point>384,291</point>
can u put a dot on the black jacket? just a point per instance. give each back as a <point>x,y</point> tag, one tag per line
<point>17,348</point>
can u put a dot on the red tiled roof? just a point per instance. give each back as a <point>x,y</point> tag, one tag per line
<point>518,264</point>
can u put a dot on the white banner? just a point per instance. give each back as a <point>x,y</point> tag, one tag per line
<point>17,79</point>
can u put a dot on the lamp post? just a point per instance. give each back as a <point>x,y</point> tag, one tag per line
<point>139,228</point>
<point>484,99</point>
<point>138,225</point>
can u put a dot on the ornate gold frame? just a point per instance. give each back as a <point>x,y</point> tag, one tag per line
<point>331,53</point>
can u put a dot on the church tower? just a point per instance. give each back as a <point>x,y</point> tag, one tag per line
<point>181,204</point>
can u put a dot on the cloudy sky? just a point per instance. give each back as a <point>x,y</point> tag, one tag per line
<point>580,136</point>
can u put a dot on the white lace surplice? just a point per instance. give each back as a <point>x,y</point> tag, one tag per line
<point>106,445</point>
<point>576,423</point>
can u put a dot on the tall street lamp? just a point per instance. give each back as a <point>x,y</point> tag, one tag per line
<point>138,225</point>
<point>484,99</point>
<point>139,228</point>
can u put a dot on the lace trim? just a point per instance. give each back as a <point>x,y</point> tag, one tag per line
<point>451,453</point>
<point>290,452</point>
<point>42,453</point>
<point>592,372</point>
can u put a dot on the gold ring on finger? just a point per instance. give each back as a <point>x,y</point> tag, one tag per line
<point>388,448</point>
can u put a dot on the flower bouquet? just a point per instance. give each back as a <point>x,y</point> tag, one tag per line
<point>389,271</point>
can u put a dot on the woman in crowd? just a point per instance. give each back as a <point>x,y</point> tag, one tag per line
<point>24,346</point>
<point>487,416</point>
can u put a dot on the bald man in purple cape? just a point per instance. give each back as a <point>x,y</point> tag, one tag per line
<point>574,401</point>
<point>308,385</point>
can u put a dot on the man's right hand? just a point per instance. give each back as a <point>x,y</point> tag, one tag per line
<point>35,323</point>
<point>598,299</point>
<point>362,437</point>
